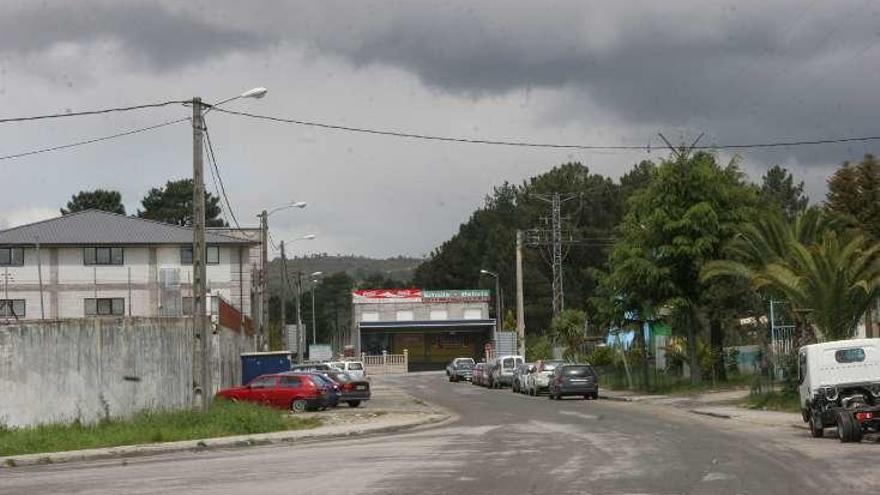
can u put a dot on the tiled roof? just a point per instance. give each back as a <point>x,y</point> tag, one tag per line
<point>101,227</point>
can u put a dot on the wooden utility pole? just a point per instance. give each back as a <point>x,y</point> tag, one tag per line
<point>264,279</point>
<point>520,307</point>
<point>301,336</point>
<point>284,335</point>
<point>199,268</point>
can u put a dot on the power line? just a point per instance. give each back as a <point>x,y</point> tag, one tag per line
<point>410,135</point>
<point>91,141</point>
<point>91,112</point>
<point>213,159</point>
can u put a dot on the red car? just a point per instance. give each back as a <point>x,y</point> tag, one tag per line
<point>297,392</point>
<point>352,390</point>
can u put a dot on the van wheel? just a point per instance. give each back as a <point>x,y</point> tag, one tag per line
<point>354,403</point>
<point>816,427</point>
<point>848,429</point>
<point>299,405</point>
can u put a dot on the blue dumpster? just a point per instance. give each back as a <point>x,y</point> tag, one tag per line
<point>254,364</point>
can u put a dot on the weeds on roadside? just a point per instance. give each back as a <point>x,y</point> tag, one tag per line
<point>223,419</point>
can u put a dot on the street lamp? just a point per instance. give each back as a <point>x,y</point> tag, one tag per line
<point>314,276</point>
<point>200,273</point>
<point>301,335</point>
<point>255,93</point>
<point>498,311</point>
<point>264,259</point>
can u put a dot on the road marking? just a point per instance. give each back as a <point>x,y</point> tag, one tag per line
<point>580,415</point>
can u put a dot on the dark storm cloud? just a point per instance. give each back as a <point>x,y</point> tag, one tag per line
<point>148,33</point>
<point>740,71</point>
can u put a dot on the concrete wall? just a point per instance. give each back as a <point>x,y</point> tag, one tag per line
<point>59,371</point>
<point>85,368</point>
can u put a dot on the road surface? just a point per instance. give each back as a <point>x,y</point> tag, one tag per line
<point>501,443</point>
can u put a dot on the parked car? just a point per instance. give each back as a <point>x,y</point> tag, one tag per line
<point>284,390</point>
<point>352,391</point>
<point>460,369</point>
<point>451,366</point>
<point>502,370</point>
<point>477,376</point>
<point>310,367</point>
<point>335,390</point>
<point>539,381</point>
<point>839,385</point>
<point>522,371</point>
<point>574,379</point>
<point>486,378</point>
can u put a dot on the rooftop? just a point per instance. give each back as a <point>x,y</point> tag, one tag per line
<point>92,227</point>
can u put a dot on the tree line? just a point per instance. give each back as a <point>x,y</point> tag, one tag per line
<point>171,203</point>
<point>689,241</point>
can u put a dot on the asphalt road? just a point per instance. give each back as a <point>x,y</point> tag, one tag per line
<point>501,443</point>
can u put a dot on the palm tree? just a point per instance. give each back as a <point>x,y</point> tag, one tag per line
<point>827,273</point>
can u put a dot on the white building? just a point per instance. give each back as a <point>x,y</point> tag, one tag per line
<point>95,263</point>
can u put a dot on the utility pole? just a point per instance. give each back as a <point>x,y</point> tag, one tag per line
<point>520,307</point>
<point>556,242</point>
<point>556,220</point>
<point>299,323</point>
<point>264,278</point>
<point>314,326</point>
<point>284,334</point>
<point>199,269</point>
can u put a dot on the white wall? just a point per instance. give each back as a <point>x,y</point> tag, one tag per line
<point>76,281</point>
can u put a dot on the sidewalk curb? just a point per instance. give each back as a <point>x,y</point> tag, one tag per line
<point>238,441</point>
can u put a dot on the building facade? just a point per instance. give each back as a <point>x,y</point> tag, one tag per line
<point>95,263</point>
<point>433,326</point>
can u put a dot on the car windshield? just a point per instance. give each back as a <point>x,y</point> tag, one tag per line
<point>465,365</point>
<point>355,366</point>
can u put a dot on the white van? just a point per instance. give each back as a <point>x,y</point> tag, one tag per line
<point>502,370</point>
<point>353,368</point>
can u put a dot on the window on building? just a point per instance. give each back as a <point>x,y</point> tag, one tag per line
<point>104,255</point>
<point>439,314</point>
<point>370,316</point>
<point>187,307</point>
<point>212,255</point>
<point>405,315</point>
<point>107,306</point>
<point>11,256</point>
<point>12,308</point>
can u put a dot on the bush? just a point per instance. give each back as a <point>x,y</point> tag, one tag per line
<point>602,356</point>
<point>538,348</point>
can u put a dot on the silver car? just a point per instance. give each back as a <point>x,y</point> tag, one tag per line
<point>539,381</point>
<point>520,374</point>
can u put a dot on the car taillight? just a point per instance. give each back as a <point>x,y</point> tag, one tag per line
<point>864,416</point>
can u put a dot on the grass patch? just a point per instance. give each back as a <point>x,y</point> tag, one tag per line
<point>775,401</point>
<point>223,419</point>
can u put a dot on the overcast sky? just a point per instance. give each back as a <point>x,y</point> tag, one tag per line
<point>603,73</point>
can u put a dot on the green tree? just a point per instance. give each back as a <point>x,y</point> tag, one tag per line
<point>487,239</point>
<point>173,204</point>
<point>569,328</point>
<point>827,273</point>
<point>778,188</point>
<point>690,208</point>
<point>99,199</point>
<point>378,281</point>
<point>854,194</point>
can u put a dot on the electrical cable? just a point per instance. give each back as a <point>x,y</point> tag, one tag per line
<point>213,158</point>
<point>91,141</point>
<point>409,135</point>
<point>92,112</point>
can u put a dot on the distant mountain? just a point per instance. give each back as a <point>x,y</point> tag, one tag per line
<point>400,269</point>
